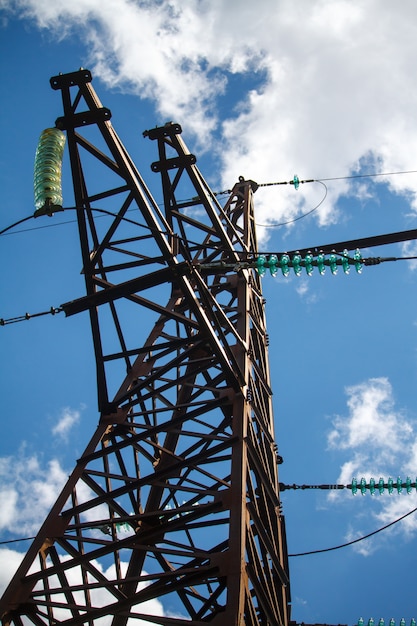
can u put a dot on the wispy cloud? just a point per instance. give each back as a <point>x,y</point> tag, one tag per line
<point>67,420</point>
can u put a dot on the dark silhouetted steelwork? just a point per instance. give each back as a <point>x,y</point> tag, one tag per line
<point>176,497</point>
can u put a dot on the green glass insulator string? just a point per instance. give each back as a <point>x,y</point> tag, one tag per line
<point>297,263</point>
<point>48,171</point>
<point>381,622</point>
<point>399,486</point>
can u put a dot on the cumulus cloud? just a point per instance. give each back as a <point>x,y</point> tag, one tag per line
<point>313,105</point>
<point>27,491</point>
<point>67,419</point>
<point>373,420</point>
<point>11,559</point>
<point>380,441</point>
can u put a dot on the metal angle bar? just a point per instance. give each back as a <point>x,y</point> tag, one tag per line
<point>258,575</point>
<point>263,477</point>
<point>262,598</point>
<point>364,242</point>
<point>268,545</point>
<point>102,195</point>
<point>15,595</point>
<point>222,320</point>
<point>70,600</point>
<point>152,535</point>
<point>183,359</point>
<point>164,312</point>
<point>98,154</point>
<point>118,291</point>
<point>161,428</point>
<point>147,480</point>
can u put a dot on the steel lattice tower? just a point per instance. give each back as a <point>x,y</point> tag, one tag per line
<point>176,496</point>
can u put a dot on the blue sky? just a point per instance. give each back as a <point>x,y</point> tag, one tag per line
<point>323,89</point>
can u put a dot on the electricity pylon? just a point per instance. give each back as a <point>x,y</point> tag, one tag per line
<point>175,501</point>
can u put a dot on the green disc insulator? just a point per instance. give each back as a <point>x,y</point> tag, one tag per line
<point>273,264</point>
<point>284,264</point>
<point>413,622</point>
<point>296,264</point>
<point>354,486</point>
<point>363,486</point>
<point>390,485</point>
<point>48,168</point>
<point>308,262</point>
<point>333,263</point>
<point>321,263</point>
<point>399,485</point>
<point>296,181</point>
<point>372,486</point>
<point>360,621</point>
<point>371,621</point>
<point>345,262</point>
<point>381,622</point>
<point>392,622</point>
<point>402,622</point>
<point>358,261</point>
<point>260,265</point>
<point>381,486</point>
<point>408,485</point>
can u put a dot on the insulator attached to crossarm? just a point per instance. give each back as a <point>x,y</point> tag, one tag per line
<point>284,262</point>
<point>48,172</point>
<point>381,485</point>
<point>361,486</point>
<point>381,622</point>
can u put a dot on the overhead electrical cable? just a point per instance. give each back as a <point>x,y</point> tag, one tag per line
<point>300,217</point>
<point>342,545</point>
<point>349,543</point>
<point>295,181</point>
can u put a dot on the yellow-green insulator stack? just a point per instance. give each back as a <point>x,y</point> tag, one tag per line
<point>48,169</point>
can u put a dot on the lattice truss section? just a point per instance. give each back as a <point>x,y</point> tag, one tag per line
<point>172,514</point>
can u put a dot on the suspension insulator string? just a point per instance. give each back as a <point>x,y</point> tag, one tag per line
<point>363,486</point>
<point>382,622</point>
<point>48,172</point>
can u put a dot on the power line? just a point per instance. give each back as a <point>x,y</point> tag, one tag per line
<point>300,217</point>
<point>342,545</point>
<point>295,181</point>
<point>370,175</point>
<point>349,543</point>
<point>2,543</point>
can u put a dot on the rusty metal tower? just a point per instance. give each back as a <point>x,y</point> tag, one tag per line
<point>176,497</point>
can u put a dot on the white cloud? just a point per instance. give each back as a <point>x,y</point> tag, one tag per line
<point>380,441</point>
<point>409,249</point>
<point>27,491</point>
<point>373,420</point>
<point>68,418</point>
<point>11,559</point>
<point>326,100</point>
